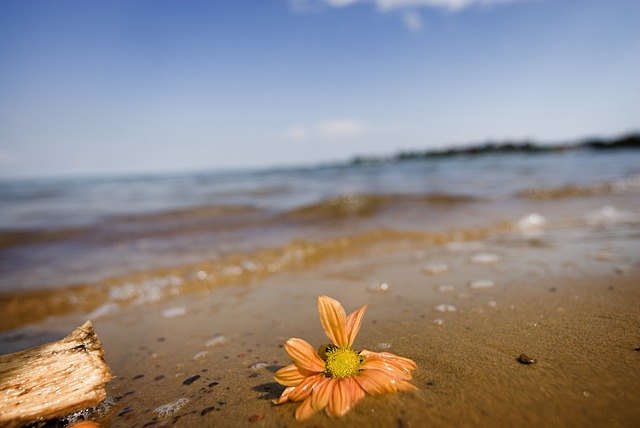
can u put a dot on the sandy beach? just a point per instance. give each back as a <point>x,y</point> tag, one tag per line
<point>464,311</point>
<point>187,186</point>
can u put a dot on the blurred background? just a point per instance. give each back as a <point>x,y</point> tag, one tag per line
<point>149,147</point>
<point>94,88</point>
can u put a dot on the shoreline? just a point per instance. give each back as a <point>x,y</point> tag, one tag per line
<point>569,299</point>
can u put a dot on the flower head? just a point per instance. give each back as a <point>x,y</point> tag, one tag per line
<point>336,377</point>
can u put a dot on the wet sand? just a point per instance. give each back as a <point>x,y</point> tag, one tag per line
<point>464,311</point>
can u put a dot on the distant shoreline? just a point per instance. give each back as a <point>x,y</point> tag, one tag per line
<point>630,141</point>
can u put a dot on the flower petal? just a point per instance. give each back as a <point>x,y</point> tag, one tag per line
<point>402,385</point>
<point>355,390</point>
<point>401,362</point>
<point>340,400</point>
<point>322,393</point>
<point>354,321</point>
<point>305,388</point>
<point>285,396</point>
<point>291,375</point>
<point>366,353</point>
<point>305,410</point>
<point>405,363</point>
<point>375,382</point>
<point>303,355</point>
<point>334,320</point>
<point>386,366</point>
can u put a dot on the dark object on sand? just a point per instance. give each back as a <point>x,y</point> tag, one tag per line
<point>54,379</point>
<point>525,359</point>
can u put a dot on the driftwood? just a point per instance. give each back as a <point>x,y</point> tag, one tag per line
<point>54,379</point>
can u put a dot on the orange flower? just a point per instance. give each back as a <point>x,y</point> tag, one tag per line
<point>337,377</point>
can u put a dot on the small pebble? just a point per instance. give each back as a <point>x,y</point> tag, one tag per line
<point>256,417</point>
<point>190,380</point>
<point>125,411</point>
<point>481,284</point>
<point>438,321</point>
<point>525,359</point>
<point>200,356</point>
<point>383,346</point>
<point>259,365</point>
<point>218,340</point>
<point>207,410</point>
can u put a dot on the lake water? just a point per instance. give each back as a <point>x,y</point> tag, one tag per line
<point>145,237</point>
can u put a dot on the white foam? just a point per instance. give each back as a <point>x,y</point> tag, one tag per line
<point>446,288</point>
<point>167,410</point>
<point>445,308</point>
<point>379,287</point>
<point>436,268</point>
<point>531,222</point>
<point>481,284</point>
<point>485,259</point>
<point>173,312</point>
<point>104,311</point>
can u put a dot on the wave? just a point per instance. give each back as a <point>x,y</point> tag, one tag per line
<point>104,297</point>
<point>628,184</point>
<point>354,205</point>
<point>14,238</point>
<point>222,218</point>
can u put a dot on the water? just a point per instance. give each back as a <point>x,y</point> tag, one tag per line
<point>84,201</point>
<point>117,235</point>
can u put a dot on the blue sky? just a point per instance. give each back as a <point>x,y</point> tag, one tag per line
<point>94,87</point>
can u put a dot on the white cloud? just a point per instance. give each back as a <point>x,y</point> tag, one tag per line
<point>6,158</point>
<point>412,20</point>
<point>451,5</point>
<point>327,129</point>
<point>341,3</point>
<point>387,5</point>
<point>410,17</point>
<point>297,133</point>
<point>340,128</point>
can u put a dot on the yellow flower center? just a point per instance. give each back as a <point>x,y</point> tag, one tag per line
<point>341,362</point>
